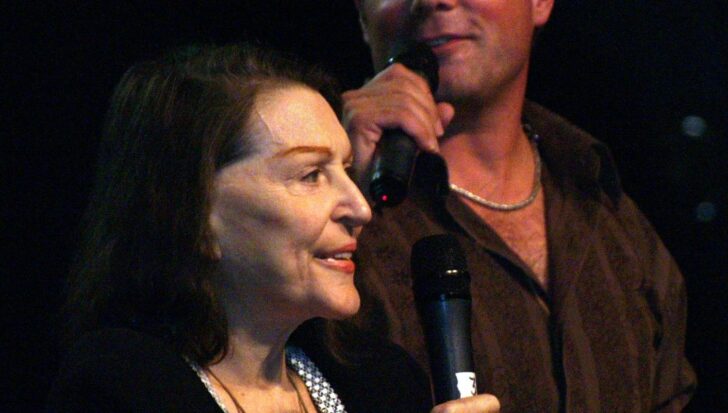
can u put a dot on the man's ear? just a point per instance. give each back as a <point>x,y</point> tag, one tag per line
<point>362,21</point>
<point>541,11</point>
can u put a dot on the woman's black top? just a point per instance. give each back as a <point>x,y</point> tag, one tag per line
<point>123,370</point>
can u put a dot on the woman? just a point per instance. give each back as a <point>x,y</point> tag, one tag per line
<point>222,221</point>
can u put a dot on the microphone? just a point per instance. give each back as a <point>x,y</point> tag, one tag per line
<point>442,294</point>
<point>394,157</point>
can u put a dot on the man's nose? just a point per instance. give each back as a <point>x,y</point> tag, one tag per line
<point>429,6</point>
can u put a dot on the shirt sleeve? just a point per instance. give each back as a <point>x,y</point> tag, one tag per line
<point>674,380</point>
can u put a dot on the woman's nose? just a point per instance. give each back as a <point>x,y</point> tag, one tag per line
<point>353,209</point>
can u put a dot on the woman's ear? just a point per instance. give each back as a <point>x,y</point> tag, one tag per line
<point>541,11</point>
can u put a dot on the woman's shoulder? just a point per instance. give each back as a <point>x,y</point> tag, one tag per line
<point>126,370</point>
<point>124,342</point>
<point>121,352</point>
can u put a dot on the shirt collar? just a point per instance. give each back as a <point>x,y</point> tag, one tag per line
<point>574,159</point>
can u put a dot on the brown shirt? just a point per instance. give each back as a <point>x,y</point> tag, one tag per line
<point>608,336</point>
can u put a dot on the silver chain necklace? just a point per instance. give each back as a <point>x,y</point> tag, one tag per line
<point>520,204</point>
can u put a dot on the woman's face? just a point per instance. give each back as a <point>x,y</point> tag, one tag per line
<point>286,217</point>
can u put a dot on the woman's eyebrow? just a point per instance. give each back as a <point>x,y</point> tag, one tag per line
<point>303,149</point>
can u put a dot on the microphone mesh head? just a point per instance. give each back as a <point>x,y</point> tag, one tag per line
<point>439,267</point>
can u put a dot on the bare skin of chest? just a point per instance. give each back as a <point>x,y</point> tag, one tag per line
<point>524,231</point>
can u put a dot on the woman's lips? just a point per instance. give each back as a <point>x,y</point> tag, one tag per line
<point>339,259</point>
<point>340,264</point>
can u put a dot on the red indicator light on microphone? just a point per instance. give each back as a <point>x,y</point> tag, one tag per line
<point>384,198</point>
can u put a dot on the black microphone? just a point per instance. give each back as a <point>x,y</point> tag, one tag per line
<point>394,157</point>
<point>442,294</point>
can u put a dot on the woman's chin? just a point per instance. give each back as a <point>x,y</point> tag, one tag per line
<point>343,308</point>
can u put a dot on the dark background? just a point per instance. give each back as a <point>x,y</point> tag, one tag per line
<point>647,77</point>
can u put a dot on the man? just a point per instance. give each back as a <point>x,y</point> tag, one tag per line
<point>577,305</point>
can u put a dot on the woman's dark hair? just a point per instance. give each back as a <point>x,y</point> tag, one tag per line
<point>146,259</point>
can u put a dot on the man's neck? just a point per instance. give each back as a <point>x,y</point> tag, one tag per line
<point>489,145</point>
<point>491,157</point>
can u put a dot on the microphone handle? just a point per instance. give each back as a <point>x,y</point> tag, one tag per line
<point>392,163</point>
<point>446,322</point>
<point>395,155</point>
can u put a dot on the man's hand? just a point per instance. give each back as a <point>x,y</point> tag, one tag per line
<point>482,403</point>
<point>395,98</point>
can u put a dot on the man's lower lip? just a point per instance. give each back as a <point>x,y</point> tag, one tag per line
<point>445,47</point>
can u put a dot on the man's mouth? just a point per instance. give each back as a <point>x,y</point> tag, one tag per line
<point>438,41</point>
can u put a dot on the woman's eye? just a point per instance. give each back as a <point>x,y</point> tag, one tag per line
<point>312,176</point>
